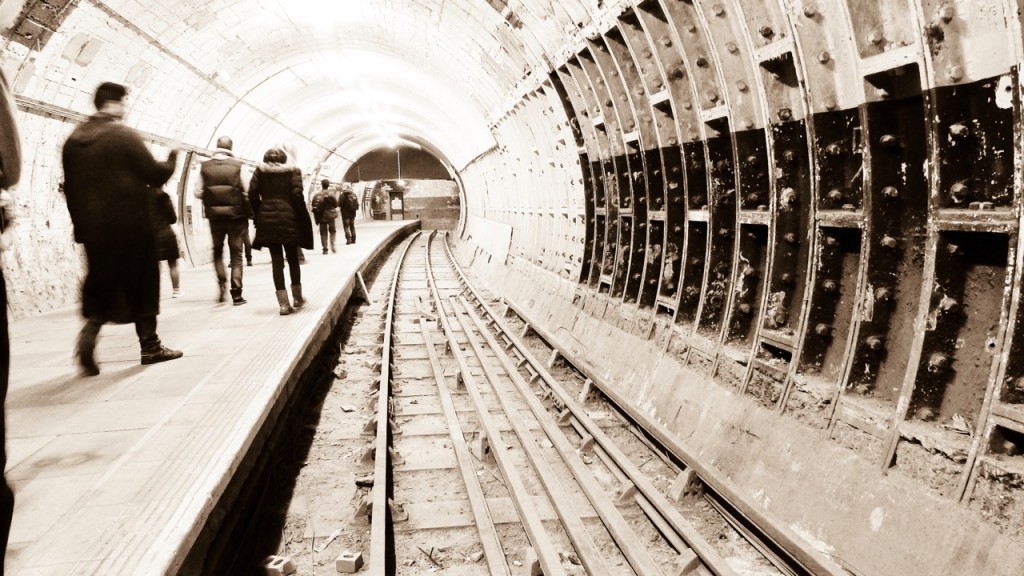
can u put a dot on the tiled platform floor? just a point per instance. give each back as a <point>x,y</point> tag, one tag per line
<point>115,474</point>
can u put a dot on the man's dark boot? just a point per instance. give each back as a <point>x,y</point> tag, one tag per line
<point>153,351</point>
<point>87,347</point>
<point>236,297</point>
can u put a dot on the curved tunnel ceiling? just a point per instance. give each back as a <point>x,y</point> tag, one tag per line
<point>345,76</point>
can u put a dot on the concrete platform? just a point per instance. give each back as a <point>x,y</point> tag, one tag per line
<point>116,474</point>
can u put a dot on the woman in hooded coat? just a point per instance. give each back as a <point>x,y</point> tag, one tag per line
<point>282,221</point>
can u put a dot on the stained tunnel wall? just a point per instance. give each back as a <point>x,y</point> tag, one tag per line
<point>817,207</point>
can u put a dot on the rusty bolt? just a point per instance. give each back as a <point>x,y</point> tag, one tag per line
<point>722,165</point>
<point>724,232</point>
<point>888,242</point>
<point>835,195</point>
<point>677,229</point>
<point>753,198</point>
<point>953,249</point>
<point>691,27</point>
<point>876,36</point>
<point>947,304</point>
<point>789,155</point>
<point>752,160</point>
<point>959,129</point>
<point>666,41</point>
<point>829,286</point>
<point>833,149</point>
<point>830,103</point>
<point>741,86</point>
<point>785,114</point>
<point>718,9</point>
<point>701,61</point>
<point>786,278</point>
<point>788,196</point>
<point>955,73</point>
<point>743,308</point>
<point>732,47</point>
<point>946,13</point>
<point>937,362</point>
<point>748,123</point>
<point>790,238</point>
<point>767,31</point>
<point>883,294</point>
<point>959,191</point>
<point>874,342</point>
<point>810,10</point>
<point>889,140</point>
<point>824,56</point>
<point>712,96</point>
<point>890,192</point>
<point>823,329</point>
<point>830,240</point>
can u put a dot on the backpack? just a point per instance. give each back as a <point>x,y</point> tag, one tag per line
<point>349,202</point>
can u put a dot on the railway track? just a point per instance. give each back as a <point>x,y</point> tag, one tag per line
<point>485,462</point>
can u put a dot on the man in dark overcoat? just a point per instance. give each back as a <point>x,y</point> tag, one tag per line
<point>107,169</point>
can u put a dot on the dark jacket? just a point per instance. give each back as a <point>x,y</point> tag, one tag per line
<point>223,193</point>
<point>325,207</point>
<point>163,216</point>
<point>107,174</point>
<point>349,204</point>
<point>278,207</point>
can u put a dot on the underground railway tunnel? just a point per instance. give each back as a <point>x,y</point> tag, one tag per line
<point>783,236</point>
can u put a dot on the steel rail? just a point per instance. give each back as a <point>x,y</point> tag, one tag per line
<point>590,557</point>
<point>693,540</point>
<point>629,543</point>
<point>489,539</point>
<point>547,556</point>
<point>380,514</point>
<point>800,554</point>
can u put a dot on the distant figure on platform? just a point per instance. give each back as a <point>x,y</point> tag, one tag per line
<point>325,212</point>
<point>282,221</point>
<point>166,241</point>
<point>10,173</point>
<point>349,206</point>
<point>107,174</point>
<point>222,188</point>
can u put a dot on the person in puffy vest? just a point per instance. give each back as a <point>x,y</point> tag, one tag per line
<point>349,205</point>
<point>223,188</point>
<point>325,213</point>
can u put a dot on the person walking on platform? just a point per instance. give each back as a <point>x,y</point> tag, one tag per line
<point>349,204</point>
<point>222,188</point>
<point>247,244</point>
<point>166,242</point>
<point>107,174</point>
<point>282,222</point>
<point>10,174</point>
<point>325,212</point>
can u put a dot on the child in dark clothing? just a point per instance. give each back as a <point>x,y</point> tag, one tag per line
<point>166,241</point>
